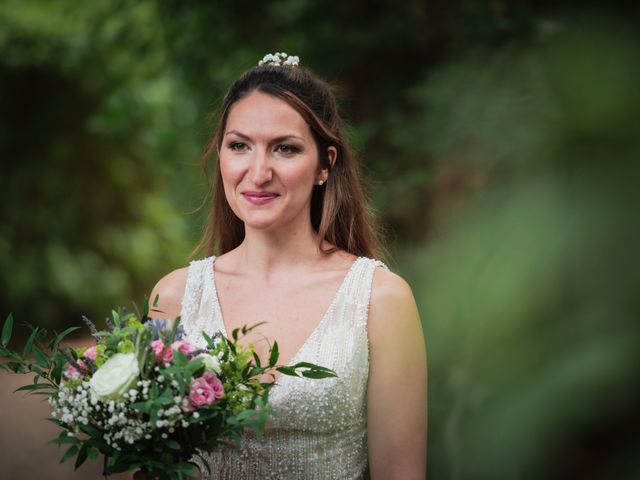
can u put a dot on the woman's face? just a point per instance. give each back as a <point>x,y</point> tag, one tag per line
<point>269,163</point>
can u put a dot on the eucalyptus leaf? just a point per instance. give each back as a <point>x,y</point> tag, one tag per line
<point>41,357</point>
<point>35,386</point>
<point>28,344</point>
<point>273,357</point>
<point>82,457</point>
<point>71,451</point>
<point>7,328</point>
<point>61,336</point>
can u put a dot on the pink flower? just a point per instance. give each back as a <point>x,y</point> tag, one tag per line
<point>215,384</point>
<point>201,393</point>
<point>183,346</point>
<point>73,373</point>
<point>158,347</point>
<point>90,353</point>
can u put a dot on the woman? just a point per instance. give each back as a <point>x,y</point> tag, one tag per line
<point>290,225</point>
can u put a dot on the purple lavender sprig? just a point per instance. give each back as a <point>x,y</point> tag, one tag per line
<point>92,328</point>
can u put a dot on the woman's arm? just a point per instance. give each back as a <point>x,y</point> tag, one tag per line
<point>397,394</point>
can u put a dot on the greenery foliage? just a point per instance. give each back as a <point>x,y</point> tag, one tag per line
<point>148,392</point>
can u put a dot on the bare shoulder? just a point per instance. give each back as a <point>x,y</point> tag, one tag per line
<point>393,309</point>
<point>389,288</point>
<point>166,297</point>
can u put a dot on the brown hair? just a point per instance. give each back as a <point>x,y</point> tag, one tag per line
<point>340,212</point>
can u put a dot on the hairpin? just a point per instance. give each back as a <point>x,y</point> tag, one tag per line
<point>279,59</point>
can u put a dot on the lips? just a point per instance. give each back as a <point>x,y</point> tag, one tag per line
<point>260,198</point>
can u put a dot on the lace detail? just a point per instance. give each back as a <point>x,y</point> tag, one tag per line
<point>320,428</point>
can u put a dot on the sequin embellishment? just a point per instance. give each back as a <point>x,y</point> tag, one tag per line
<point>320,429</point>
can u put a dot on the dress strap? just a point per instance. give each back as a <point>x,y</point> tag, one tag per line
<point>196,276</point>
<point>360,284</point>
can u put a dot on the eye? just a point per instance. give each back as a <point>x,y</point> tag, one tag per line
<point>237,146</point>
<point>287,149</point>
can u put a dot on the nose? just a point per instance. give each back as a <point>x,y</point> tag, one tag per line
<point>260,171</point>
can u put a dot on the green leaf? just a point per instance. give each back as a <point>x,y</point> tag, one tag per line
<point>82,457</point>
<point>56,421</point>
<point>61,336</point>
<point>27,346</point>
<point>145,309</point>
<point>172,444</point>
<point>166,398</point>
<point>273,357</point>
<point>317,374</point>
<point>93,454</point>
<point>142,406</point>
<point>35,386</point>
<point>40,357</point>
<point>255,371</point>
<point>14,367</point>
<point>64,439</point>
<point>208,339</point>
<point>256,358</point>
<point>7,329</point>
<point>179,358</point>
<point>94,432</point>
<point>69,453</point>
<point>290,371</point>
<point>311,370</point>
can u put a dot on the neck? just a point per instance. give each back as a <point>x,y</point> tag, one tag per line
<point>268,253</point>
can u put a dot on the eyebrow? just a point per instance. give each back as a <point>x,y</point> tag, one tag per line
<point>277,139</point>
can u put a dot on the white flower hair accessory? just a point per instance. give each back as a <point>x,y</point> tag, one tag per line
<point>279,59</point>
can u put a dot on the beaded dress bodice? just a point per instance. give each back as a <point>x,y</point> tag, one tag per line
<point>320,429</point>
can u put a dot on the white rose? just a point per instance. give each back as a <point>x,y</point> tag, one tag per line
<point>210,363</point>
<point>115,377</point>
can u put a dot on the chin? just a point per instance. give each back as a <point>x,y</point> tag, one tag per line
<point>259,222</point>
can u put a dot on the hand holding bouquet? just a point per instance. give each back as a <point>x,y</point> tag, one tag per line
<point>144,397</point>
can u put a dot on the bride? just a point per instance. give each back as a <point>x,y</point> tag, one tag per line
<point>294,239</point>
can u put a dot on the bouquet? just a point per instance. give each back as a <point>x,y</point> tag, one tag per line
<point>145,398</point>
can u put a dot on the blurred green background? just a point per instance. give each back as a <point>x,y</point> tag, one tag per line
<point>500,141</point>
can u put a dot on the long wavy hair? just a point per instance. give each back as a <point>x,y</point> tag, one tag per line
<point>340,212</point>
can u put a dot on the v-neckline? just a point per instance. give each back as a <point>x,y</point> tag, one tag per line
<point>218,309</point>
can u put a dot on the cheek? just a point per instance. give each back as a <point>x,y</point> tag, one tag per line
<point>230,171</point>
<point>301,176</point>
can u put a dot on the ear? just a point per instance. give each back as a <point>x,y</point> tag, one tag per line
<point>332,155</point>
<point>323,173</point>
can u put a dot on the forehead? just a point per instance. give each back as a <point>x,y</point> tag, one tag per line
<point>262,115</point>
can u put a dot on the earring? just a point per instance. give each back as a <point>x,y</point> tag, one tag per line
<point>320,182</point>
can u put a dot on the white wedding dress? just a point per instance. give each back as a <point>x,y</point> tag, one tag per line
<point>320,431</point>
